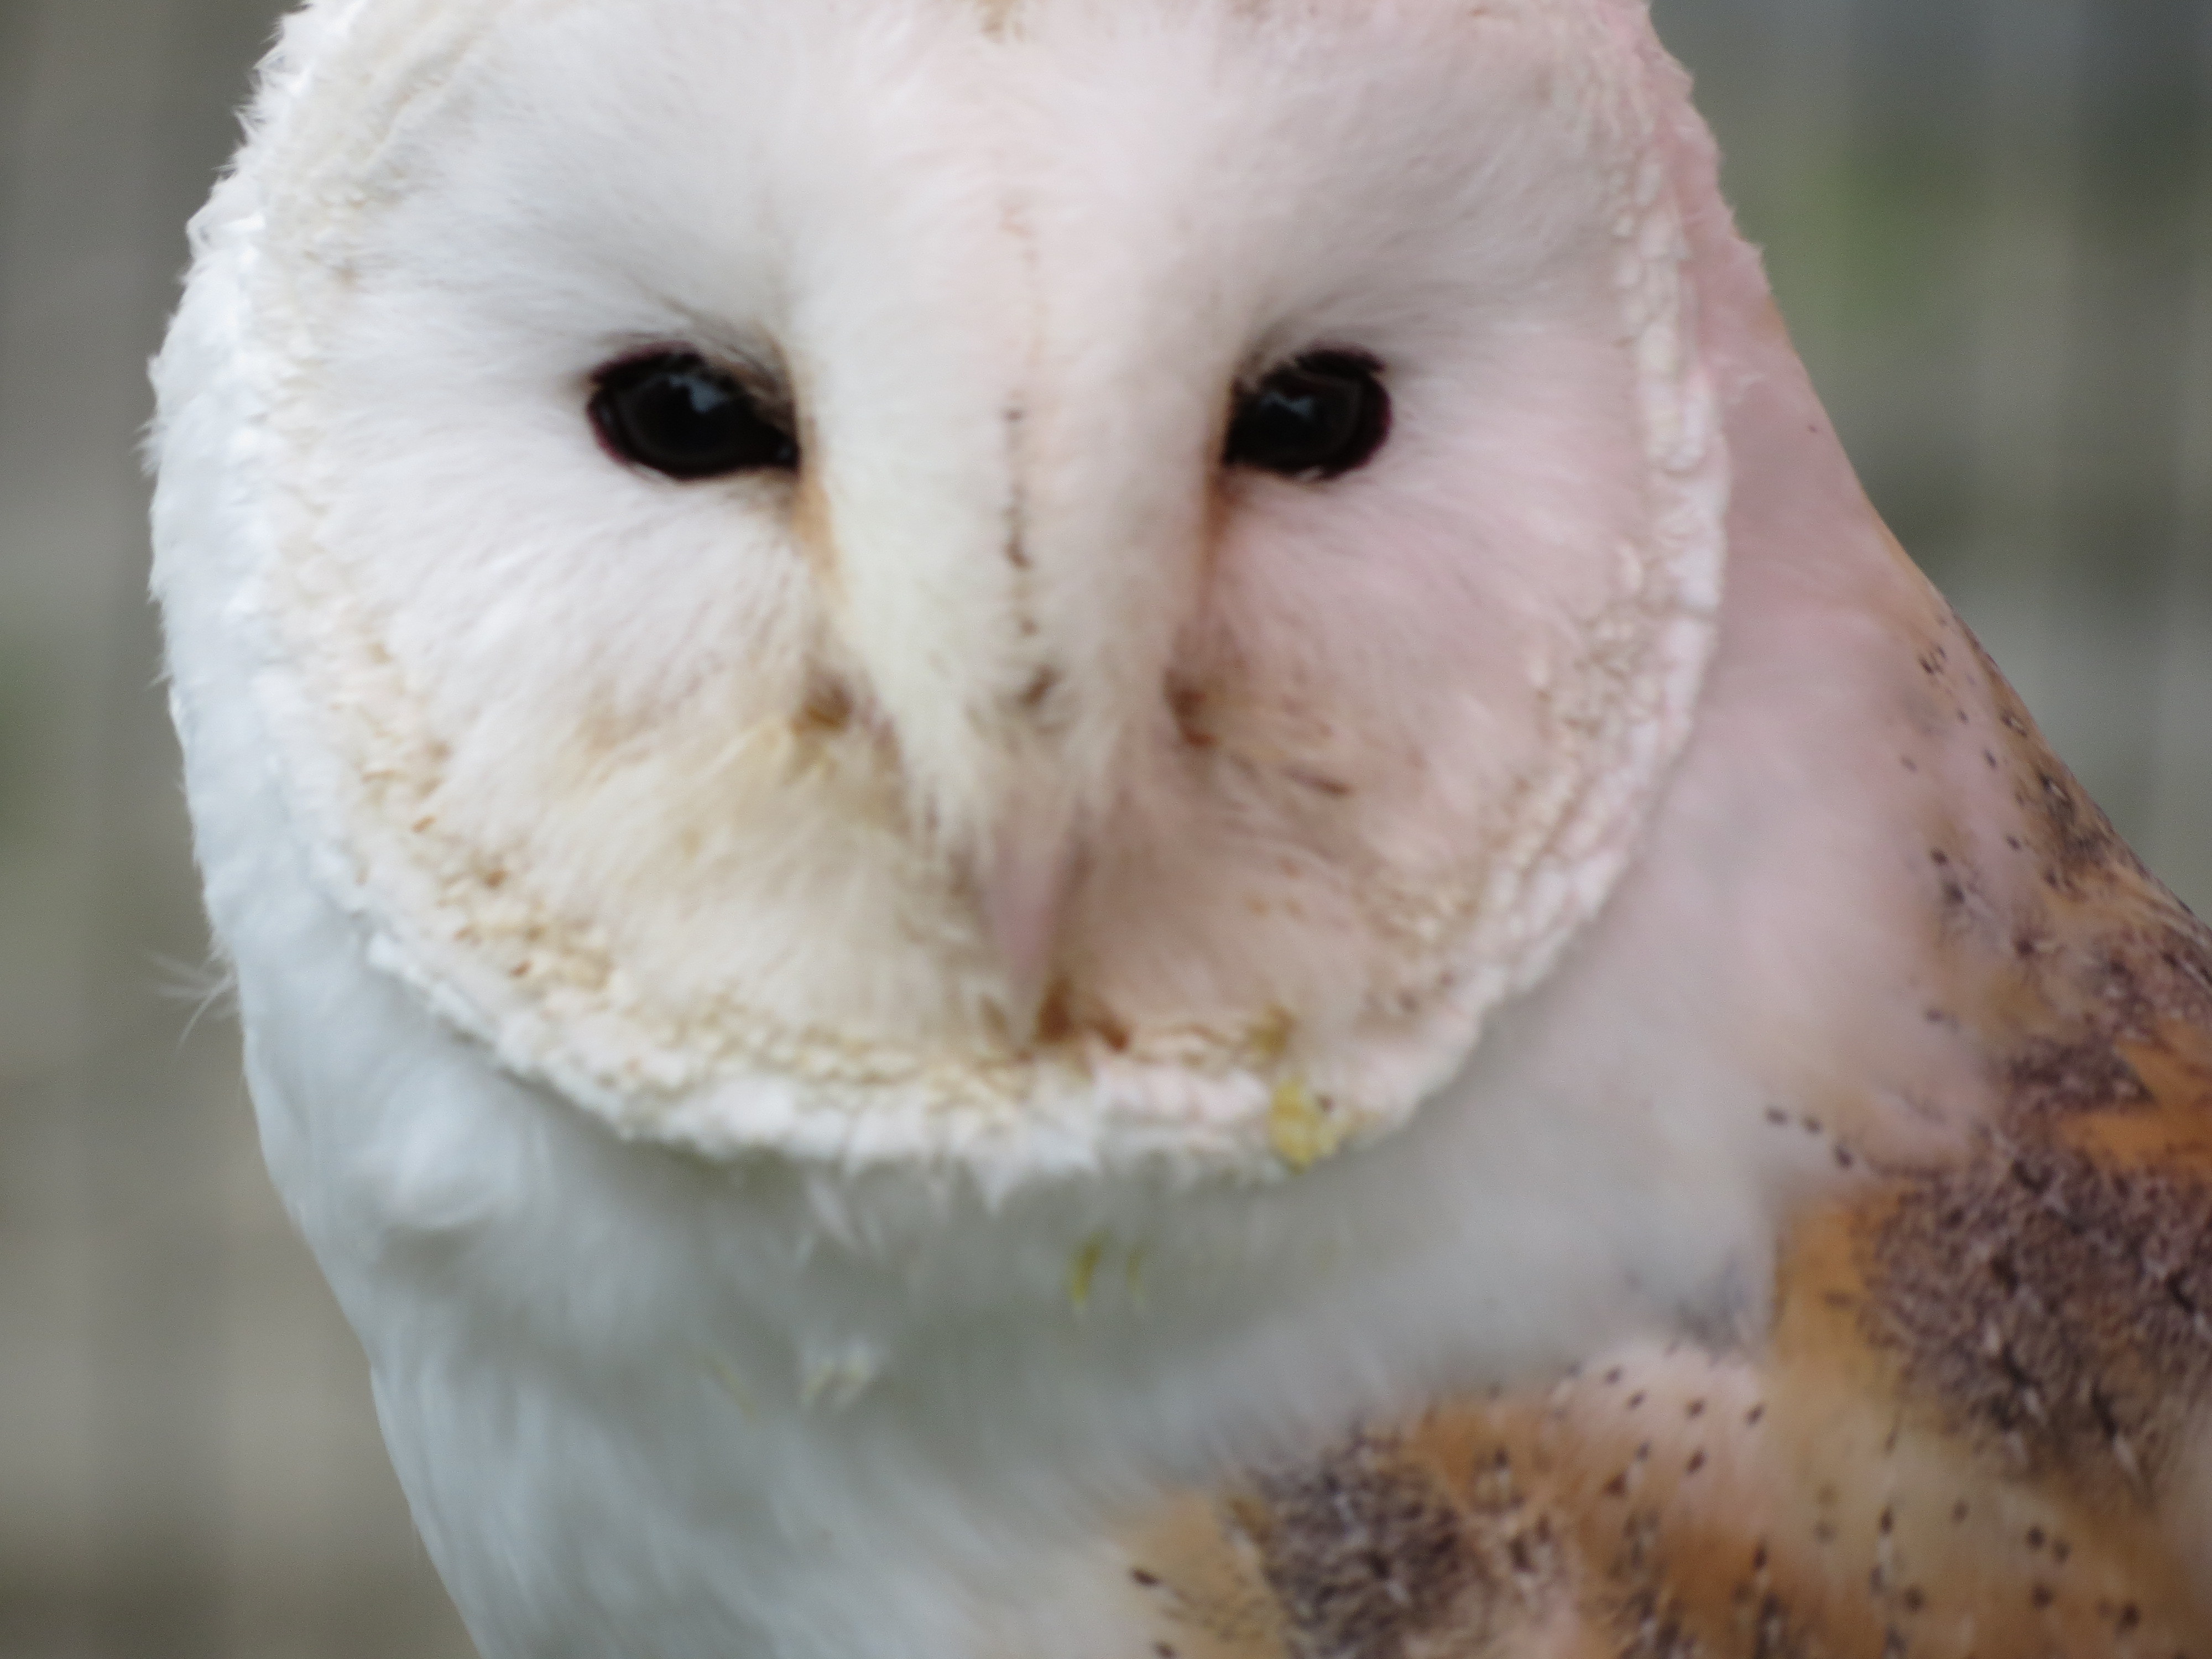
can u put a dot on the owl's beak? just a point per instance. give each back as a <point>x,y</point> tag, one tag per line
<point>1024,896</point>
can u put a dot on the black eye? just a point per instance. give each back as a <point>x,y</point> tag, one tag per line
<point>1315,418</point>
<point>680,415</point>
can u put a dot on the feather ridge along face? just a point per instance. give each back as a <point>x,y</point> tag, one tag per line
<point>1014,781</point>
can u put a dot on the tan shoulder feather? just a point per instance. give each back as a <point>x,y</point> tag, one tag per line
<point>1975,1429</point>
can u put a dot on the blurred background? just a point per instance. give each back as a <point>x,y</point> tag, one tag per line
<point>1991,221</point>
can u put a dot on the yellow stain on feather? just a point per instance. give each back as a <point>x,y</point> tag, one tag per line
<point>1300,1128</point>
<point>726,1378</point>
<point>1082,1270</point>
<point>1271,1038</point>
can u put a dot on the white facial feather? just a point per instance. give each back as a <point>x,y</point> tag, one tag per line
<point>702,801</point>
<point>536,792</point>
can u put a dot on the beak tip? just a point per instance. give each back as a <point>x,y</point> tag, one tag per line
<point>1024,903</point>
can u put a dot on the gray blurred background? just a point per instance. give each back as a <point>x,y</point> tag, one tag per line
<point>1991,224</point>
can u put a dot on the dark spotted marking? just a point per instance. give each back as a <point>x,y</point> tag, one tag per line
<point>1319,783</point>
<point>1111,1029</point>
<point>828,707</point>
<point>1772,1637</point>
<point>1532,1554</point>
<point>2054,1304</point>
<point>1365,1553</point>
<point>1652,1630</point>
<point>1952,881</point>
<point>2078,837</point>
<point>2067,1078</point>
<point>1039,690</point>
<point>1018,512</point>
<point>1055,1019</point>
<point>1187,703</point>
<point>2145,976</point>
<point>2051,1303</point>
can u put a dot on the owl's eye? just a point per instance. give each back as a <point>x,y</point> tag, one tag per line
<point>1318,417</point>
<point>677,413</point>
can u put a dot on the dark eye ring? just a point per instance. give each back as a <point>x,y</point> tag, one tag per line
<point>678,415</point>
<point>1319,417</point>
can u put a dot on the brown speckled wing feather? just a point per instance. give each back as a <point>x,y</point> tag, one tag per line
<point>1969,1433</point>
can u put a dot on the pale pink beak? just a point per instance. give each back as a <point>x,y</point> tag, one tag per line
<point>1023,892</point>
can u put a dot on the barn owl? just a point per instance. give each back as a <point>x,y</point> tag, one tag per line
<point>1102,828</point>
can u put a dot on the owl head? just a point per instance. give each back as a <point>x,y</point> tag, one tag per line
<point>1018,584</point>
